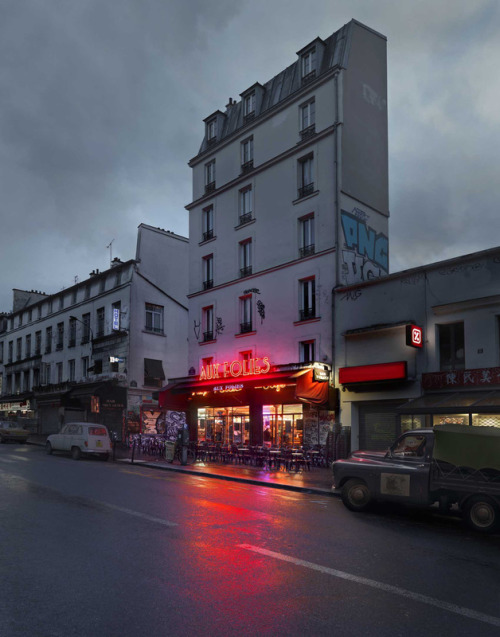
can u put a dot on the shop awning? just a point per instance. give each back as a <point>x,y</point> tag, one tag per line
<point>466,402</point>
<point>153,368</point>
<point>311,391</point>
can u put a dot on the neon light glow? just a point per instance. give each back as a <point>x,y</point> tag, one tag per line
<point>224,389</point>
<point>234,369</point>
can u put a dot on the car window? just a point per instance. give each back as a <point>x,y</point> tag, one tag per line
<point>410,446</point>
<point>72,429</point>
<point>97,431</point>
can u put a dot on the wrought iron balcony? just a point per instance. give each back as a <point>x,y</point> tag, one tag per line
<point>307,313</point>
<point>208,336</point>
<point>210,187</point>
<point>309,77</point>
<point>208,284</point>
<point>308,132</point>
<point>305,251</point>
<point>249,116</point>
<point>245,327</point>
<point>246,271</point>
<point>246,218</point>
<point>308,189</point>
<point>208,234</point>
<point>247,166</point>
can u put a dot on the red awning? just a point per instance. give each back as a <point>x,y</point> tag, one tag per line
<point>311,391</point>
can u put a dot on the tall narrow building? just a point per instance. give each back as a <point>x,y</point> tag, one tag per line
<point>290,200</point>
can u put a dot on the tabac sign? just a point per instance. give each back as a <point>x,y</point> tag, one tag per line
<point>235,369</point>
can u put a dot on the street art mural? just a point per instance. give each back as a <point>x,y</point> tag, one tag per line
<point>366,252</point>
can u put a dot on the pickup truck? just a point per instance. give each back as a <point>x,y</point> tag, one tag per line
<point>448,465</point>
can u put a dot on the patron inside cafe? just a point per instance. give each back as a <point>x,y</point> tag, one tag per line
<point>254,402</point>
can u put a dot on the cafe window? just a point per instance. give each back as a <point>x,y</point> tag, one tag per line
<point>283,425</point>
<point>451,346</point>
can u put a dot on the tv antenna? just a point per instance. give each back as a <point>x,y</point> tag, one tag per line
<point>110,246</point>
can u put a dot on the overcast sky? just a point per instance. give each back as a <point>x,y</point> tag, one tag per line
<point>102,102</point>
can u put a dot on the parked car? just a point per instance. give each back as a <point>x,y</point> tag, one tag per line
<point>79,439</point>
<point>13,431</point>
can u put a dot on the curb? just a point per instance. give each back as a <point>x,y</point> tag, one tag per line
<point>260,483</point>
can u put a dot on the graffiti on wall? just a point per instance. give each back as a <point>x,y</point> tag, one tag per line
<point>366,252</point>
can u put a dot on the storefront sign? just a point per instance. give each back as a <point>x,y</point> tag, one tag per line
<point>20,406</point>
<point>414,336</point>
<point>223,389</point>
<point>462,378</point>
<point>320,375</point>
<point>235,369</point>
<point>370,373</point>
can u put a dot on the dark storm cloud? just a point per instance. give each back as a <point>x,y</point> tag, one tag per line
<point>102,102</point>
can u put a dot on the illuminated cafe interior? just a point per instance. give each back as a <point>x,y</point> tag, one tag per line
<point>273,409</point>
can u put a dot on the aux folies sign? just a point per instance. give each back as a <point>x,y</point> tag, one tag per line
<point>235,369</point>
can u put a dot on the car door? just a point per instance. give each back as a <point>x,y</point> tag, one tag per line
<point>407,475</point>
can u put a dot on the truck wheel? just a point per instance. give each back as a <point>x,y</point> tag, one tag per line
<point>481,514</point>
<point>356,495</point>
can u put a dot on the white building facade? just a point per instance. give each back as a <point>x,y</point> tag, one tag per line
<point>99,350</point>
<point>290,198</point>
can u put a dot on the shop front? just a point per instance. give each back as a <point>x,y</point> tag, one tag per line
<point>254,403</point>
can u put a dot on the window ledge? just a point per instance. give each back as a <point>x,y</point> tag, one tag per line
<point>243,225</point>
<point>241,334</point>
<point>305,321</point>
<point>154,333</point>
<point>300,199</point>
<point>214,340</point>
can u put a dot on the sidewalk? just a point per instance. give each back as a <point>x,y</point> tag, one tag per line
<point>318,480</point>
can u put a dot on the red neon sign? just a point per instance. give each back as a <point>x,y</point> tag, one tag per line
<point>370,373</point>
<point>234,369</point>
<point>414,336</point>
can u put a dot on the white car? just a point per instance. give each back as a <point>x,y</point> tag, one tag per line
<point>81,438</point>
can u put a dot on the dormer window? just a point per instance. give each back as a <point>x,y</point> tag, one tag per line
<point>308,65</point>
<point>211,131</point>
<point>249,106</point>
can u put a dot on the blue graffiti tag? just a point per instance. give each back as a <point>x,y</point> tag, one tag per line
<point>368,243</point>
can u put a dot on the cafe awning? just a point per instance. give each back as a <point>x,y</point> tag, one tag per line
<point>153,368</point>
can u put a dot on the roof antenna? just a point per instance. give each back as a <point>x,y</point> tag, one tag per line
<point>110,252</point>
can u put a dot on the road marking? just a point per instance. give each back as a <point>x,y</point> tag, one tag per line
<point>395,590</point>
<point>136,514</point>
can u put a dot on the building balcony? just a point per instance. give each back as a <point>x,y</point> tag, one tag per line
<point>308,313</point>
<point>208,336</point>
<point>306,251</point>
<point>246,167</point>
<point>249,116</point>
<point>305,133</point>
<point>306,190</point>
<point>245,327</point>
<point>246,271</point>
<point>208,234</point>
<point>307,79</point>
<point>245,218</point>
<point>209,187</point>
<point>211,141</point>
<point>207,285</point>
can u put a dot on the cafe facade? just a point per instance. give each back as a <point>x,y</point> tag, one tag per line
<point>253,402</point>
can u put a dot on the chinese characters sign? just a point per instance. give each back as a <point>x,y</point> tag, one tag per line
<point>462,378</point>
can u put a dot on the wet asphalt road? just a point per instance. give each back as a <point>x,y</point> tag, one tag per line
<point>103,549</point>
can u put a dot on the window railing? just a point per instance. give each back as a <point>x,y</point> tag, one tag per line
<point>72,342</point>
<point>249,116</point>
<point>308,132</point>
<point>307,313</point>
<point>207,285</point>
<point>208,336</point>
<point>208,234</point>
<point>59,347</point>
<point>247,166</point>
<point>245,327</point>
<point>246,271</point>
<point>308,189</point>
<point>309,77</point>
<point>211,140</point>
<point>48,349</point>
<point>210,187</point>
<point>245,218</point>
<point>305,251</point>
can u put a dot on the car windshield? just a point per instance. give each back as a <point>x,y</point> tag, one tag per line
<point>97,431</point>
